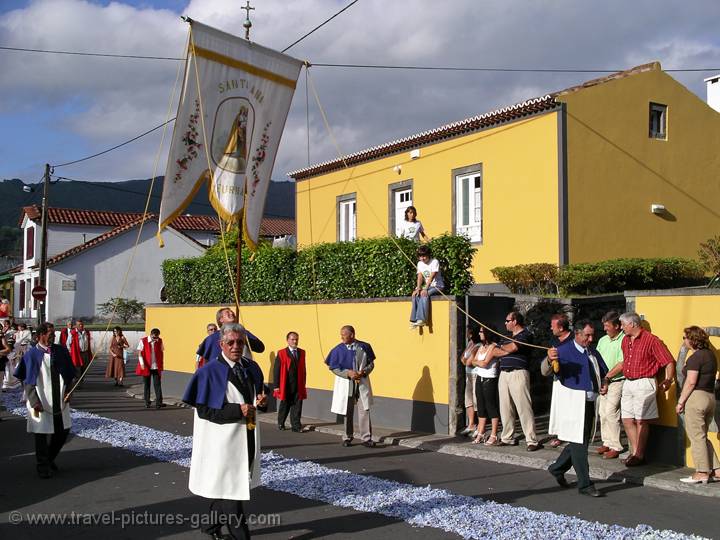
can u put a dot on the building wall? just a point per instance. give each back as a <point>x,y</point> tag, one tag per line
<point>411,375</point>
<point>63,237</point>
<point>616,171</point>
<point>520,193</point>
<point>98,272</point>
<point>667,315</point>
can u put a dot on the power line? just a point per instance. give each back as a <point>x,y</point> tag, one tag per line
<point>102,55</point>
<point>116,146</point>
<point>371,66</point>
<point>105,185</point>
<point>483,69</point>
<point>320,25</point>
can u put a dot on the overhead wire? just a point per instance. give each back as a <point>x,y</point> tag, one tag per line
<point>114,147</point>
<point>108,185</point>
<point>370,66</point>
<point>82,53</point>
<point>320,26</point>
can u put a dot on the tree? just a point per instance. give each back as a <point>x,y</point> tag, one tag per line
<point>710,255</point>
<point>124,308</point>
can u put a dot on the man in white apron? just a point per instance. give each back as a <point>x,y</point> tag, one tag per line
<point>225,463</point>
<point>573,409</point>
<point>352,361</point>
<point>47,372</point>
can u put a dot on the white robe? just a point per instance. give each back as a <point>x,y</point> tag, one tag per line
<point>219,464</point>
<point>341,390</point>
<point>567,413</point>
<point>43,422</point>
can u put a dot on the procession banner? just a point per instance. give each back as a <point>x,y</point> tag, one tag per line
<point>235,100</point>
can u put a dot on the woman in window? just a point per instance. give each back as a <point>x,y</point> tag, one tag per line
<point>411,228</point>
<point>116,364</point>
<point>697,401</point>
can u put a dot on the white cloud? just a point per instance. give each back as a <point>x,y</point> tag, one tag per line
<point>110,100</point>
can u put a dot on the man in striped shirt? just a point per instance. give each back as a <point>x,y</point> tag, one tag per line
<point>643,356</point>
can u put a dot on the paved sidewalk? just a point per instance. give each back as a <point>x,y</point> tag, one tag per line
<point>659,476</point>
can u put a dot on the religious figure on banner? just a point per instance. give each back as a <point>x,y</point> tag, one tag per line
<point>234,155</point>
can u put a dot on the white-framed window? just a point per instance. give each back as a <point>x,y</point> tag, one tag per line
<point>402,200</point>
<point>468,205</point>
<point>658,121</point>
<point>347,218</point>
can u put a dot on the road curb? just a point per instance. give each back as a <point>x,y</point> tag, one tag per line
<point>663,477</point>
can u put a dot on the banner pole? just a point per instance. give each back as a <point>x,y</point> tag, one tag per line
<point>238,272</point>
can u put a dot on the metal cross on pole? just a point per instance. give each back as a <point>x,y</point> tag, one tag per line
<point>247,24</point>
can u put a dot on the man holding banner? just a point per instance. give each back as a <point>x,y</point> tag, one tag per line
<point>234,103</point>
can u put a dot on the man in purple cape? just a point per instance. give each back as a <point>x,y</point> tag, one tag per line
<point>46,371</point>
<point>352,361</point>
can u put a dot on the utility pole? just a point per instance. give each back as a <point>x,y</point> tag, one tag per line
<point>43,245</point>
<point>247,24</point>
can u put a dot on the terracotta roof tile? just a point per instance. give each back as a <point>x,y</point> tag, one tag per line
<point>277,226</point>
<point>476,123</point>
<point>183,223</point>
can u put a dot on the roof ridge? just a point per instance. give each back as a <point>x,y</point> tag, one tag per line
<point>493,117</point>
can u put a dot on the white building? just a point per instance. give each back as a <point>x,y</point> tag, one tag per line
<point>88,257</point>
<point>89,253</point>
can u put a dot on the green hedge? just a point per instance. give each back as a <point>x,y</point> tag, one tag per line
<point>611,276</point>
<point>373,268</point>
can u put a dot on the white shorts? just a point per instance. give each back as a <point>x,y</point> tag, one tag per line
<point>639,399</point>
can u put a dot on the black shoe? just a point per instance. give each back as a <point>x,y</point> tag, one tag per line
<point>160,406</point>
<point>346,443</point>
<point>534,447</point>
<point>45,474</point>
<point>53,467</point>
<point>282,428</point>
<point>147,405</point>
<point>296,430</point>
<point>560,479</point>
<point>590,491</point>
<point>369,444</point>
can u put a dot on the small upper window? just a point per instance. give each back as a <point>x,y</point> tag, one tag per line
<point>29,243</point>
<point>658,121</point>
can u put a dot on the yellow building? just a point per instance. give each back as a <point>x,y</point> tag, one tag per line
<point>622,166</point>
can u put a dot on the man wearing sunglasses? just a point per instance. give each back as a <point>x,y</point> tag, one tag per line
<point>225,463</point>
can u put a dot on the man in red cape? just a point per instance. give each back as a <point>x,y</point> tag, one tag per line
<point>80,347</point>
<point>289,378</point>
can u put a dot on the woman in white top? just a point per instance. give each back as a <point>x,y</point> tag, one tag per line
<point>429,282</point>
<point>486,388</point>
<point>411,228</point>
<point>466,359</point>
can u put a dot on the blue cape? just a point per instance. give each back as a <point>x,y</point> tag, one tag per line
<point>29,367</point>
<point>343,358</point>
<point>209,349</point>
<point>209,383</point>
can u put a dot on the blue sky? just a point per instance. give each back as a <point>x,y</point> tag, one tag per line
<point>59,108</point>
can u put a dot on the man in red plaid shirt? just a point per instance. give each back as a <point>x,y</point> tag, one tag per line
<point>644,354</point>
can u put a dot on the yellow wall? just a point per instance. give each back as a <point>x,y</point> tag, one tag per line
<point>520,193</point>
<point>616,171</point>
<point>668,315</point>
<point>409,365</point>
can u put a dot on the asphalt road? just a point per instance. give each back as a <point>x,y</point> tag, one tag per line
<point>96,479</point>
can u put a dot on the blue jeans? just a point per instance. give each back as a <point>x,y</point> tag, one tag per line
<point>421,306</point>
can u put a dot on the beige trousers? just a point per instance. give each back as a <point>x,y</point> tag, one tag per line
<point>514,392</point>
<point>699,411</point>
<point>609,410</point>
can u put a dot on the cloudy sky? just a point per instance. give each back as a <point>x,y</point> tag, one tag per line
<point>58,108</point>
